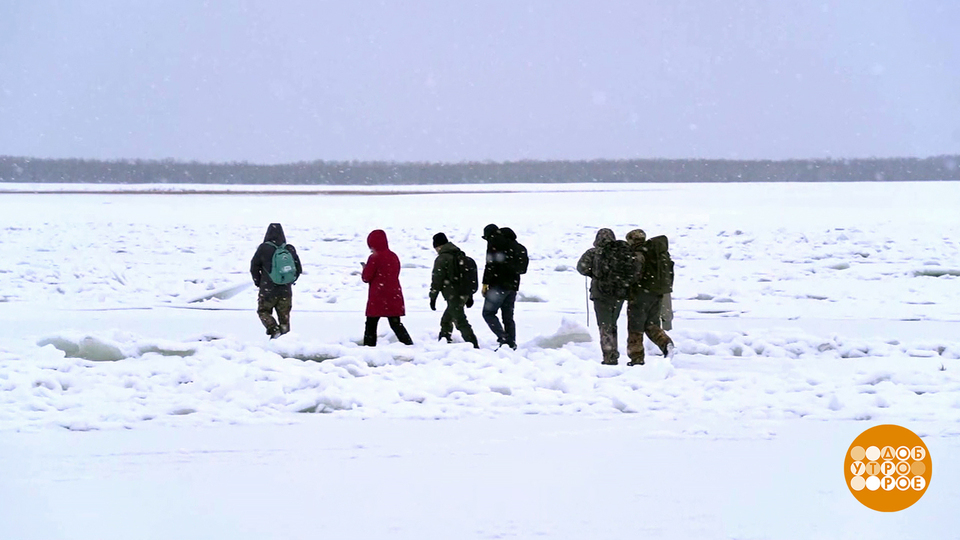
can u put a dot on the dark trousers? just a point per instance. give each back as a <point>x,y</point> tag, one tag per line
<point>370,331</point>
<point>265,307</point>
<point>454,315</point>
<point>643,317</point>
<point>503,300</point>
<point>608,311</point>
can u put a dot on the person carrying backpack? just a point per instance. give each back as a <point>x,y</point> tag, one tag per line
<point>275,267</point>
<point>506,260</point>
<point>646,296</point>
<point>455,277</point>
<point>613,269</point>
<point>385,297</point>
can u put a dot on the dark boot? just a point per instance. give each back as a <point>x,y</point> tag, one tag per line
<point>401,331</point>
<point>636,360</point>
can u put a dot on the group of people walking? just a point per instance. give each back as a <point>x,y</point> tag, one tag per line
<point>617,276</point>
<point>454,278</point>
<point>636,271</point>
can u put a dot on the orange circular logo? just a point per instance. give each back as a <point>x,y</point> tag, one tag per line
<point>888,468</point>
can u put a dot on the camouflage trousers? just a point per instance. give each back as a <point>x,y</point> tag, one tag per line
<point>608,312</point>
<point>265,308</point>
<point>643,317</point>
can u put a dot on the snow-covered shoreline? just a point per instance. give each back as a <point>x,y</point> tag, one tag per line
<point>316,189</point>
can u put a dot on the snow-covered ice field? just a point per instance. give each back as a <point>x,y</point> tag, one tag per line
<point>140,398</point>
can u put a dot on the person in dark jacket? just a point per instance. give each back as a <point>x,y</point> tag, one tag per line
<point>501,281</point>
<point>442,283</point>
<point>385,298</point>
<point>607,309</point>
<point>273,296</point>
<point>644,309</point>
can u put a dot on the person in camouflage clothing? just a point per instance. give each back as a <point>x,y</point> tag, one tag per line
<point>442,283</point>
<point>644,310</point>
<point>273,296</point>
<point>606,308</point>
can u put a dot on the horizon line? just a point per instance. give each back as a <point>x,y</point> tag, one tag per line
<point>476,162</point>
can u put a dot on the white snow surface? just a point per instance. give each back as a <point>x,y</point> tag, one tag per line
<point>137,382</point>
<point>778,290</point>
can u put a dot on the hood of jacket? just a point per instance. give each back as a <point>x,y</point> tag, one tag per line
<point>449,247</point>
<point>636,238</point>
<point>604,236</point>
<point>275,234</point>
<point>377,241</point>
<point>508,233</point>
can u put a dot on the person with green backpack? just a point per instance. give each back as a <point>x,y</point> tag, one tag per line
<point>275,267</point>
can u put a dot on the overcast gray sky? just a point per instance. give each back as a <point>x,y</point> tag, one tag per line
<point>421,80</point>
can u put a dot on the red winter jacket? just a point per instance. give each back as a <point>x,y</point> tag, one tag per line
<point>382,272</point>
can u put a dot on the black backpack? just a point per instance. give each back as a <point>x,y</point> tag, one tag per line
<point>615,269</point>
<point>517,258</point>
<point>657,266</point>
<point>465,280</point>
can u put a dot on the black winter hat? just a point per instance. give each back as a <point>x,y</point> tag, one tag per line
<point>439,239</point>
<point>489,231</point>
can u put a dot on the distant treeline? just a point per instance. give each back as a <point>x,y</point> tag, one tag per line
<point>30,170</point>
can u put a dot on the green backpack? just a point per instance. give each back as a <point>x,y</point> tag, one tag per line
<point>284,268</point>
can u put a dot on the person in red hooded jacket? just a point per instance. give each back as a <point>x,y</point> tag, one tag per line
<point>382,272</point>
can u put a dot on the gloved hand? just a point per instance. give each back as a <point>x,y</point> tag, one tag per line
<point>433,301</point>
<point>484,289</point>
<point>469,303</point>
